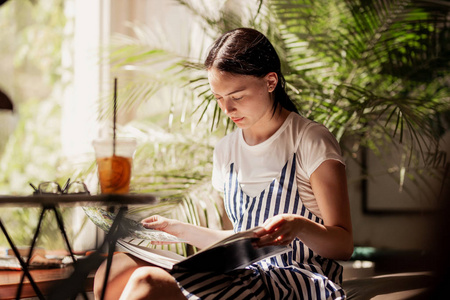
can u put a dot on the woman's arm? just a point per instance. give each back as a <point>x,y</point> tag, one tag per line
<point>197,236</point>
<point>334,239</point>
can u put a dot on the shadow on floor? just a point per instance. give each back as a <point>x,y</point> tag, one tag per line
<point>403,285</point>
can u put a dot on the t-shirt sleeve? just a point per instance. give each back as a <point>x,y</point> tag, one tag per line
<point>316,146</point>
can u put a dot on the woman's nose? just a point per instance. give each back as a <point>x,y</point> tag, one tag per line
<point>228,106</point>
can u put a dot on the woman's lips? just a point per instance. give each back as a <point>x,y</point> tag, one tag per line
<point>236,120</point>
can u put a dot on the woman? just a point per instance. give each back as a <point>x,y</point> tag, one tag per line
<point>279,171</point>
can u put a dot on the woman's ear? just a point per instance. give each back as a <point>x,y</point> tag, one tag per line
<point>272,80</point>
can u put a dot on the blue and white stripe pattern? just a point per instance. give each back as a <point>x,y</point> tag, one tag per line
<point>299,274</point>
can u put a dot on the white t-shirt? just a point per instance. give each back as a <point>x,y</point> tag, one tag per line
<point>258,165</point>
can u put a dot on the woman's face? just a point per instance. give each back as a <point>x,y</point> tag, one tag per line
<point>244,99</point>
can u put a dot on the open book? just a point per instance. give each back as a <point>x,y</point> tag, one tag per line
<point>234,252</point>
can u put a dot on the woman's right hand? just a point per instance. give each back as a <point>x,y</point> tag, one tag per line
<point>195,235</point>
<point>157,222</point>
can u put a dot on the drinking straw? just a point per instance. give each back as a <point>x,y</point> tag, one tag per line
<point>114,116</point>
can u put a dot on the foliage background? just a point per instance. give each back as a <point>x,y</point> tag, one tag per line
<point>30,73</point>
<point>375,72</point>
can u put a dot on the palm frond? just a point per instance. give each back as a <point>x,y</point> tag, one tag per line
<point>376,71</point>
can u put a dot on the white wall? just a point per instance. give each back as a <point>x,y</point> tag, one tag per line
<point>393,229</point>
<point>409,231</point>
<point>86,81</point>
<point>88,22</point>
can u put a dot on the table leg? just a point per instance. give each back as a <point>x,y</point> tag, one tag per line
<point>33,242</point>
<point>64,234</point>
<point>111,239</point>
<point>22,263</point>
<point>36,234</point>
<point>72,285</point>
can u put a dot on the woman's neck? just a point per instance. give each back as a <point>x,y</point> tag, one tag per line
<point>258,134</point>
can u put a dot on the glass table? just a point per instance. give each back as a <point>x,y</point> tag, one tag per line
<point>74,284</point>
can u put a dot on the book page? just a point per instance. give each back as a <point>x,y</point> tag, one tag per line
<point>233,252</point>
<point>247,234</point>
<point>162,258</point>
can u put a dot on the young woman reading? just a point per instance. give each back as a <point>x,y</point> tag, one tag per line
<point>277,170</point>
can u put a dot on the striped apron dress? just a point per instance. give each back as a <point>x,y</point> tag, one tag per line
<point>298,274</point>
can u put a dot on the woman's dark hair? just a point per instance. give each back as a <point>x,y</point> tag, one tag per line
<point>246,51</point>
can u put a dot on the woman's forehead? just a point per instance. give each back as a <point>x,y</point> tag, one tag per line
<point>216,75</point>
<point>224,83</point>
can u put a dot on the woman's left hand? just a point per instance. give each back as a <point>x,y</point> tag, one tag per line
<point>279,230</point>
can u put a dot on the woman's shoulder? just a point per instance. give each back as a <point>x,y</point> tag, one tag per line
<point>310,134</point>
<point>306,128</point>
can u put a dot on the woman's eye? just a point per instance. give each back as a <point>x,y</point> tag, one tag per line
<point>236,98</point>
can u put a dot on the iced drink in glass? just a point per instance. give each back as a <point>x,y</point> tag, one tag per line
<point>114,164</point>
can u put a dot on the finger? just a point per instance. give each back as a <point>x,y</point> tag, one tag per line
<point>285,240</point>
<point>272,243</point>
<point>280,237</point>
<point>270,221</point>
<point>272,224</point>
<point>260,232</point>
<point>155,224</point>
<point>150,219</point>
<point>268,239</point>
